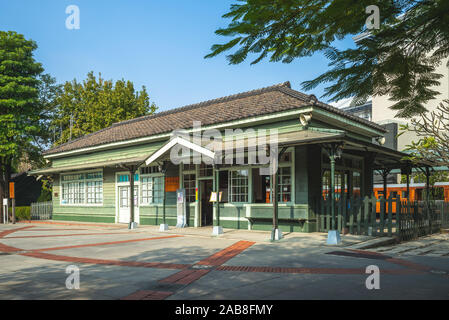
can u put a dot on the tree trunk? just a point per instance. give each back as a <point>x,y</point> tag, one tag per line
<point>5,177</point>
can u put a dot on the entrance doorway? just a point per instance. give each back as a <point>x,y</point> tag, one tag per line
<point>206,206</point>
<point>124,209</point>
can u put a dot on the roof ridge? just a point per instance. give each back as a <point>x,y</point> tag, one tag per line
<point>282,88</point>
<point>206,103</point>
<point>285,84</point>
<point>312,99</point>
<point>79,138</point>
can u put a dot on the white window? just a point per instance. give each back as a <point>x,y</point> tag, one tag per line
<point>147,190</point>
<point>285,184</point>
<point>94,191</point>
<point>82,188</point>
<point>152,189</point>
<point>238,182</point>
<point>189,182</point>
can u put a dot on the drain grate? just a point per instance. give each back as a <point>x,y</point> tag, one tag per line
<point>359,255</point>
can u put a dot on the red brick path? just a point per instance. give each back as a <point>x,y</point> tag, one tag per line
<point>189,274</point>
<point>226,254</point>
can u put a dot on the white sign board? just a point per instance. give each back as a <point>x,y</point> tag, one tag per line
<point>181,221</point>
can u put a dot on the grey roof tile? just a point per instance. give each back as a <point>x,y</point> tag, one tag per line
<point>262,101</point>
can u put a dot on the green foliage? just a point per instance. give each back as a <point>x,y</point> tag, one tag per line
<point>436,176</point>
<point>399,59</point>
<point>20,109</point>
<point>95,104</point>
<point>432,130</point>
<point>19,96</point>
<point>46,191</point>
<point>22,213</point>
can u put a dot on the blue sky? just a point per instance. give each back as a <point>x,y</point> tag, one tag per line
<point>159,44</point>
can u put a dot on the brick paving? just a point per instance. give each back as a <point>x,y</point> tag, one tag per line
<point>226,254</point>
<point>192,273</point>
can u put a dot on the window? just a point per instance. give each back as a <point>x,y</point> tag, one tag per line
<point>94,191</point>
<point>285,184</point>
<point>152,189</point>
<point>326,183</point>
<point>125,177</point>
<point>286,157</point>
<point>206,170</point>
<point>124,197</point>
<point>223,185</point>
<point>356,183</point>
<point>147,190</point>
<point>82,188</point>
<point>340,183</point>
<point>189,167</point>
<point>149,170</point>
<point>189,185</point>
<point>437,193</point>
<point>239,186</point>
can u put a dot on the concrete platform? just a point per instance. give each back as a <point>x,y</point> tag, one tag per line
<point>118,263</point>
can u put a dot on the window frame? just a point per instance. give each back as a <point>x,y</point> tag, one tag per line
<point>153,176</point>
<point>249,189</point>
<point>85,193</point>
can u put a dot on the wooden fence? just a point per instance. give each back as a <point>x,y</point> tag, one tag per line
<point>383,217</point>
<point>41,210</point>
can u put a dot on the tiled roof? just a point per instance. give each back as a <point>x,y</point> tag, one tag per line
<point>263,101</point>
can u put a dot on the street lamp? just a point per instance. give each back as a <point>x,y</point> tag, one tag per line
<point>333,235</point>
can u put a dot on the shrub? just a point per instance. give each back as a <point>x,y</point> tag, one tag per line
<point>22,213</point>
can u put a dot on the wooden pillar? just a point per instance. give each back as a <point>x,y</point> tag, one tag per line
<point>132,170</point>
<point>384,177</point>
<point>427,185</point>
<point>217,190</point>
<point>408,187</point>
<point>385,173</point>
<point>163,169</point>
<point>163,198</point>
<point>274,179</point>
<point>13,205</point>
<point>368,174</point>
<point>332,187</point>
<point>428,209</point>
<point>131,194</point>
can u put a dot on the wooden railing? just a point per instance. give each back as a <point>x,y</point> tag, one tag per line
<point>382,217</point>
<point>41,210</point>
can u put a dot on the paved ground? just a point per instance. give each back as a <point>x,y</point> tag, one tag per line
<point>432,246</point>
<point>117,263</point>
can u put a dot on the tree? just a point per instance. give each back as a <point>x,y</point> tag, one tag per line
<point>399,59</point>
<point>49,92</point>
<point>19,102</point>
<point>432,130</point>
<point>94,104</point>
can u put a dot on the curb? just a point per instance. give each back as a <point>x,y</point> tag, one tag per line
<point>374,243</point>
